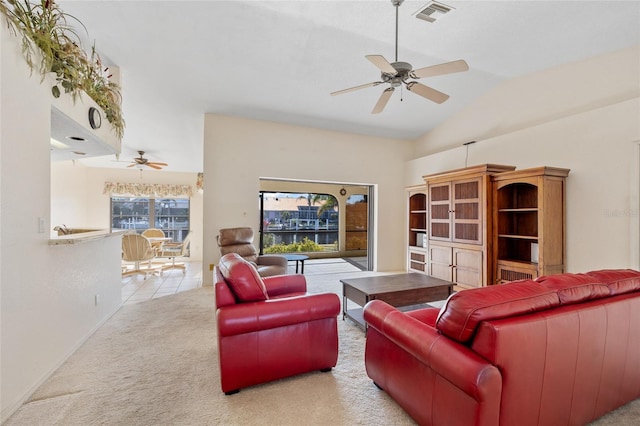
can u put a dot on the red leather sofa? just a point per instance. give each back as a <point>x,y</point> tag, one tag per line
<point>270,328</point>
<point>560,350</point>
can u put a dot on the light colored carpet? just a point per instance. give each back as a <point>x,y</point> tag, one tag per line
<point>155,363</point>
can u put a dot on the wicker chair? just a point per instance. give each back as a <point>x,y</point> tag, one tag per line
<point>137,249</point>
<point>153,232</point>
<point>173,250</point>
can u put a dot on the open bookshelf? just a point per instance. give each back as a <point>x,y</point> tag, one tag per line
<point>417,219</point>
<point>529,213</point>
<point>417,229</point>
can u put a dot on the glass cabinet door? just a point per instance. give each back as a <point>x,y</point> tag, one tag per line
<point>440,212</point>
<point>467,212</point>
<point>455,211</point>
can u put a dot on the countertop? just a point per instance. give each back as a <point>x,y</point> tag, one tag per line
<point>83,237</point>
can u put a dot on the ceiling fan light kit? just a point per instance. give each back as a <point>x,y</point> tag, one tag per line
<point>141,161</point>
<point>396,73</point>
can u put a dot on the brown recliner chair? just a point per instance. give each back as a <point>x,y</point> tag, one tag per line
<point>240,241</point>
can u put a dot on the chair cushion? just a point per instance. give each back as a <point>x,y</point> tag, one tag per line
<point>238,240</point>
<point>246,251</point>
<point>242,278</point>
<point>231,236</point>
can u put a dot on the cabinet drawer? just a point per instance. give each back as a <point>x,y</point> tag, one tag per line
<point>418,266</point>
<point>419,257</point>
<point>418,261</point>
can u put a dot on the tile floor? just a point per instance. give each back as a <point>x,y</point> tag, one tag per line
<point>136,289</point>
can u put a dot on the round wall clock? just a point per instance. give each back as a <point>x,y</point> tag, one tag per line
<point>343,192</point>
<point>95,119</point>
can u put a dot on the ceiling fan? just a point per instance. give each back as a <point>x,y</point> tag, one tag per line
<point>396,73</point>
<point>141,161</point>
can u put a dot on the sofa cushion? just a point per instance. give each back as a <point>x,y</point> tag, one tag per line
<point>243,279</point>
<point>463,311</point>
<point>619,281</point>
<point>575,288</point>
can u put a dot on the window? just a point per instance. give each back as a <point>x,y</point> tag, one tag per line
<point>299,222</point>
<point>137,213</point>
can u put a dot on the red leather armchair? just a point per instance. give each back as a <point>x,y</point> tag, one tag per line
<point>270,328</point>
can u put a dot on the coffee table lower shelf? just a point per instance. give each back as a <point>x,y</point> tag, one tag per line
<point>404,291</point>
<point>356,315</point>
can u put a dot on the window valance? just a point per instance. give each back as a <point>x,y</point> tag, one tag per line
<point>156,190</point>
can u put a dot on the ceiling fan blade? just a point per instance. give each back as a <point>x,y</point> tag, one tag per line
<point>380,62</point>
<point>157,163</point>
<point>153,166</point>
<point>131,165</point>
<point>351,89</point>
<point>427,92</point>
<point>382,100</point>
<point>447,68</point>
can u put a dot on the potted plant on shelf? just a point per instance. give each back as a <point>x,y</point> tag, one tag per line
<point>51,45</point>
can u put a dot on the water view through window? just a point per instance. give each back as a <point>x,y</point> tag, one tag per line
<point>310,222</point>
<point>138,213</point>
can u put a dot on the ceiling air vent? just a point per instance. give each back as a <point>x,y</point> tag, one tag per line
<point>433,11</point>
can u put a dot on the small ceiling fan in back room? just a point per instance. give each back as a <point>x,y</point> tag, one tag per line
<point>141,161</point>
<point>397,73</point>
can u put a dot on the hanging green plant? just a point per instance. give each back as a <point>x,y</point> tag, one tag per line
<point>51,45</point>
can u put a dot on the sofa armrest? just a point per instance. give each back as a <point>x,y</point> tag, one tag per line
<point>284,284</point>
<point>256,316</point>
<point>451,360</point>
<point>272,259</point>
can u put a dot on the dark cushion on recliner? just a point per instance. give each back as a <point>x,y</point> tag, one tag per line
<point>231,236</point>
<point>238,240</point>
<point>243,279</point>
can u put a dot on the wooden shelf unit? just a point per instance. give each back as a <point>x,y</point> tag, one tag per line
<point>529,219</point>
<point>459,234</point>
<point>417,251</point>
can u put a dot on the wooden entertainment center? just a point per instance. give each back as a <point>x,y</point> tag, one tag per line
<point>488,224</point>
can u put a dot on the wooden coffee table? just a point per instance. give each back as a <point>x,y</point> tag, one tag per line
<point>399,290</point>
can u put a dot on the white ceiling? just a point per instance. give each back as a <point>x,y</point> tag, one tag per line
<point>279,60</point>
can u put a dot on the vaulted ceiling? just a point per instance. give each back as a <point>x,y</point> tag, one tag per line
<point>279,60</point>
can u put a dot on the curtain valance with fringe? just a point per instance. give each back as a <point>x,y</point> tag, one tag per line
<point>156,190</point>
